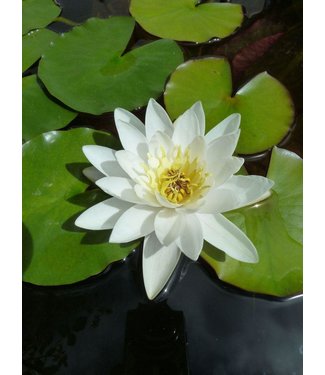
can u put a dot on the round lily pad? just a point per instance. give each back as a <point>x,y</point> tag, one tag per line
<point>38,13</point>
<point>55,251</point>
<point>265,105</point>
<point>87,70</point>
<point>187,20</point>
<point>34,44</point>
<point>275,227</point>
<point>40,113</point>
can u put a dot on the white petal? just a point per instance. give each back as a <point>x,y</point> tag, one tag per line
<point>131,164</point>
<point>190,240</point>
<point>237,192</point>
<point>199,111</point>
<point>227,126</point>
<point>198,149</point>
<point>158,264</point>
<point>222,147</point>
<point>102,215</point>
<point>187,127</point>
<point>261,198</point>
<point>158,142</point>
<point>132,139</point>
<point>121,115</point>
<point>119,187</point>
<point>157,120</point>
<point>192,206</point>
<point>223,169</point>
<point>92,174</point>
<point>136,222</point>
<point>223,234</point>
<point>165,202</point>
<point>168,225</point>
<point>146,195</point>
<point>103,158</point>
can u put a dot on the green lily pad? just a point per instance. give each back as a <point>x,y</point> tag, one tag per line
<point>87,70</point>
<point>275,227</point>
<point>40,113</point>
<point>38,14</point>
<point>56,252</point>
<point>186,20</point>
<point>34,44</point>
<point>265,105</point>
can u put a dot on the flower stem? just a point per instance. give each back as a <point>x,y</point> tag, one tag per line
<point>66,21</point>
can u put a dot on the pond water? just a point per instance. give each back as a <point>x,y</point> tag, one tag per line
<point>105,325</point>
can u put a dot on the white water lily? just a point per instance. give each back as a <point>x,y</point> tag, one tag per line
<point>170,185</point>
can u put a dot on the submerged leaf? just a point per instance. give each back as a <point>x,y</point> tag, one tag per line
<point>251,53</point>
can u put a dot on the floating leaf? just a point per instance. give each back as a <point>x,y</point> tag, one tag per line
<point>54,194</point>
<point>34,44</point>
<point>275,227</point>
<point>264,103</point>
<point>87,70</point>
<point>186,20</point>
<point>40,113</point>
<point>38,14</point>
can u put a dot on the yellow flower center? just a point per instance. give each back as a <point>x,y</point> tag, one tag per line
<point>174,186</point>
<point>177,177</point>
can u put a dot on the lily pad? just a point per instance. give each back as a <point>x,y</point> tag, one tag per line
<point>187,20</point>
<point>38,14</point>
<point>34,44</point>
<point>265,105</point>
<point>87,70</point>
<point>275,227</point>
<point>40,113</point>
<point>55,251</point>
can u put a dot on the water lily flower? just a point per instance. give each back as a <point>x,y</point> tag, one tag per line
<point>170,185</point>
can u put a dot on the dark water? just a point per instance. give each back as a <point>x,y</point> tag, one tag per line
<point>202,327</point>
<point>105,325</point>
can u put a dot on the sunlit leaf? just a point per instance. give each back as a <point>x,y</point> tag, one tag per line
<point>187,20</point>
<point>264,103</point>
<point>87,70</point>
<point>275,227</point>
